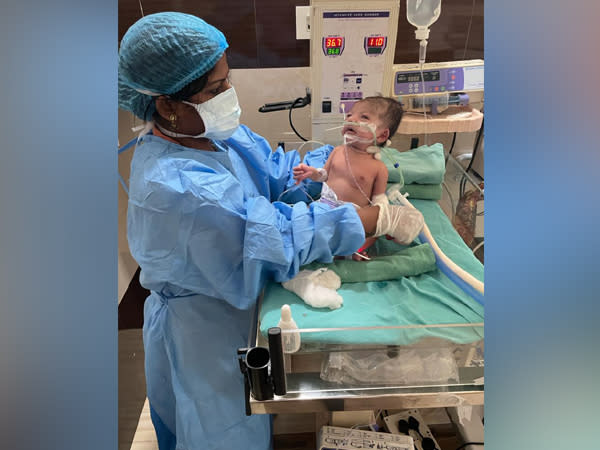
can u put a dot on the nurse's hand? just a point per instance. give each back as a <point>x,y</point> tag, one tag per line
<point>403,223</point>
<point>303,171</point>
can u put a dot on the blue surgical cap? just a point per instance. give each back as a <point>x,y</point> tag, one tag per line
<point>162,53</point>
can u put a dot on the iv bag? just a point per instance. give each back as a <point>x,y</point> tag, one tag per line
<point>422,13</point>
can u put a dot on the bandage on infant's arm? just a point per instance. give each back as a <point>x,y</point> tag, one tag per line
<point>323,175</point>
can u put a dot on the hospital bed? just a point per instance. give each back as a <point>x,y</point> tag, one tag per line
<point>409,342</point>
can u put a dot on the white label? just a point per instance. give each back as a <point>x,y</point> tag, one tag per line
<point>473,78</point>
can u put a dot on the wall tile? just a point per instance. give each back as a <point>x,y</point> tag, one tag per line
<point>276,34</point>
<point>235,18</point>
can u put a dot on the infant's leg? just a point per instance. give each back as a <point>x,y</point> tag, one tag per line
<point>363,250</point>
<point>368,243</point>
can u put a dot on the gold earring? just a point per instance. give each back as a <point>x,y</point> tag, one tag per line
<point>173,120</point>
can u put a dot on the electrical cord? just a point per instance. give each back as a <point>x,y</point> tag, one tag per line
<point>298,100</point>
<point>467,444</point>
<point>463,186</point>
<point>477,174</point>
<point>451,146</point>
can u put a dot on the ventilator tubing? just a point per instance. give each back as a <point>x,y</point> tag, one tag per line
<point>464,280</point>
<point>467,282</point>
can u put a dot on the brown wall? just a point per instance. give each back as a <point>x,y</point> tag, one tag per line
<point>262,33</point>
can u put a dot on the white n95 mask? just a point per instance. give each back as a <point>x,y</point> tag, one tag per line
<point>220,114</point>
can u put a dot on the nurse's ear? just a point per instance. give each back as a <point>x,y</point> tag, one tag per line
<point>166,107</point>
<point>170,112</point>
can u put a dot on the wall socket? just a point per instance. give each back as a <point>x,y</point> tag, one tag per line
<point>302,22</point>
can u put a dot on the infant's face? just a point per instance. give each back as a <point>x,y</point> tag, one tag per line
<point>362,113</point>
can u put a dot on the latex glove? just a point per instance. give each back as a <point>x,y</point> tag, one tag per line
<point>403,223</point>
<point>312,287</point>
<point>380,199</point>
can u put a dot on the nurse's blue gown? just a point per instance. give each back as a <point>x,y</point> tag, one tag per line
<point>207,231</point>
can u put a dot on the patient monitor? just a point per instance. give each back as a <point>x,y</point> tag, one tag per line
<point>352,52</point>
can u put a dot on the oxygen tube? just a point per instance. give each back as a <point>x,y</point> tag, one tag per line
<point>464,280</point>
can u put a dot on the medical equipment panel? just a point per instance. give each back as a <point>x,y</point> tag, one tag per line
<point>448,92</point>
<point>352,51</point>
<point>454,76</point>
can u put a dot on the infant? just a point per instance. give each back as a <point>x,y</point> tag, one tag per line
<point>353,172</point>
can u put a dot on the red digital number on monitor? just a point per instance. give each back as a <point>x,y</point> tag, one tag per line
<point>376,41</point>
<point>333,42</point>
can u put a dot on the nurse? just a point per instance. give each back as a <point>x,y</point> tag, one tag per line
<point>206,229</point>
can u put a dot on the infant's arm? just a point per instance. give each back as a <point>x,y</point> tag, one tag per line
<point>327,165</point>
<point>381,179</point>
<point>303,171</point>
